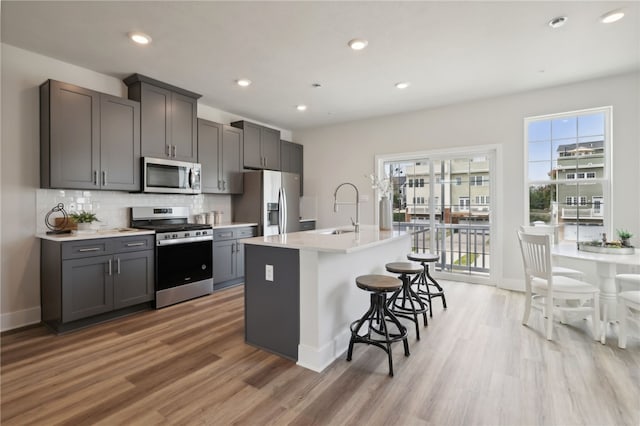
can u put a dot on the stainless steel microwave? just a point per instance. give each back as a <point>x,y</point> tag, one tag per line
<point>164,176</point>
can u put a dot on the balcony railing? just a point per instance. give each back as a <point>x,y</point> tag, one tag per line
<point>463,248</point>
<point>585,213</point>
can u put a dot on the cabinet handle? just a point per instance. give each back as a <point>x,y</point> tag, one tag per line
<point>224,185</point>
<point>168,150</point>
<point>134,244</point>
<point>118,260</point>
<point>265,161</point>
<point>109,266</point>
<point>95,177</point>
<point>219,184</point>
<point>104,178</point>
<point>175,151</point>
<point>89,249</point>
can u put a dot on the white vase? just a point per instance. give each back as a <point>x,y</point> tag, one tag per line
<point>85,228</point>
<point>385,215</point>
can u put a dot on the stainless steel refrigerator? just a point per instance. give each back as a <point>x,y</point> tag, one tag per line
<point>271,199</point>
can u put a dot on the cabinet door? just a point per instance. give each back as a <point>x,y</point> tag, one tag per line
<point>252,154</point>
<point>232,160</point>
<point>74,136</point>
<point>155,104</point>
<point>209,145</point>
<point>270,145</point>
<point>133,278</point>
<point>184,139</point>
<point>224,261</point>
<point>296,164</point>
<point>87,287</point>
<point>285,156</point>
<point>119,144</point>
<point>239,260</point>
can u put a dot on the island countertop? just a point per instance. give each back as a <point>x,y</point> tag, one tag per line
<point>324,240</point>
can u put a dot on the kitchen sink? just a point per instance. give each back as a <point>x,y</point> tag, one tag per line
<point>336,231</point>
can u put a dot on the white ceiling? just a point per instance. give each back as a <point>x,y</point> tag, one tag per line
<point>449,51</point>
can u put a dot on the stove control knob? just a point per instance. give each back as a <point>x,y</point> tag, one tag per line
<point>175,235</point>
<point>186,234</point>
<point>197,233</point>
<point>205,232</point>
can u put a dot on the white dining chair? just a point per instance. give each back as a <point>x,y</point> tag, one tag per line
<point>628,286</point>
<point>550,230</point>
<point>548,292</point>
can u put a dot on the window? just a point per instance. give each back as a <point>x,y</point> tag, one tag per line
<point>463,202</point>
<point>458,181</point>
<point>568,167</point>
<point>482,199</point>
<point>476,181</point>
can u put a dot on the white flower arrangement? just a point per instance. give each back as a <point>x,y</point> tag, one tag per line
<point>384,186</point>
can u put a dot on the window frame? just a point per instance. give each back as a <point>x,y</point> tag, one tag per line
<point>605,179</point>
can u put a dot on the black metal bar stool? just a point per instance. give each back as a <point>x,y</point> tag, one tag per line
<point>379,286</point>
<point>403,302</point>
<point>424,278</point>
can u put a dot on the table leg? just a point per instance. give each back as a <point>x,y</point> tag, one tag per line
<point>608,294</point>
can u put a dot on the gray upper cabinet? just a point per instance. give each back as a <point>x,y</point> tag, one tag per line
<point>291,159</point>
<point>88,140</point>
<point>220,151</point>
<point>261,146</point>
<point>168,118</point>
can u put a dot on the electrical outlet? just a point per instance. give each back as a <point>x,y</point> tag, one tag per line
<point>268,272</point>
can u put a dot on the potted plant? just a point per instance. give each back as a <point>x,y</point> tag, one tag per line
<point>84,220</point>
<point>624,236</point>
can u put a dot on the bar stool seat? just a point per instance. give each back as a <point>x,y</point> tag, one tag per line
<point>425,279</point>
<point>405,302</point>
<point>382,337</point>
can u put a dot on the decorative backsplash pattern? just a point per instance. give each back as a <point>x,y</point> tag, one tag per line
<point>112,207</point>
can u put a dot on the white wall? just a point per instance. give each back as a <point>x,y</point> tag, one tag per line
<point>24,204</point>
<point>346,152</point>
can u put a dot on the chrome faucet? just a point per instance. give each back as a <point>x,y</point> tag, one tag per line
<point>356,224</point>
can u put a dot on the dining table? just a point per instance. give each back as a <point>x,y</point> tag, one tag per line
<point>607,266</point>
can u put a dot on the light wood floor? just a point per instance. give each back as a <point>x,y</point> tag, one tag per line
<point>188,364</point>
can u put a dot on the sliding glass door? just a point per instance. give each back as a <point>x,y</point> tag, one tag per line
<point>445,200</point>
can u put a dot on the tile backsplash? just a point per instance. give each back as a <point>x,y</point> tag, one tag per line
<point>112,207</point>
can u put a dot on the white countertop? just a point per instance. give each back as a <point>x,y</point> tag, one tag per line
<point>107,233</point>
<point>233,225</point>
<point>321,240</point>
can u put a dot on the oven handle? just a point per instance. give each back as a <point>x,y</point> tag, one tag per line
<point>184,240</point>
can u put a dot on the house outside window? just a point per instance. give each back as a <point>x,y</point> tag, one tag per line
<point>568,159</point>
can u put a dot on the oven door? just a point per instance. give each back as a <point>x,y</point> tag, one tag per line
<point>180,264</point>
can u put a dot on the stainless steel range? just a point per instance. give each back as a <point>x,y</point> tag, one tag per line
<point>184,253</point>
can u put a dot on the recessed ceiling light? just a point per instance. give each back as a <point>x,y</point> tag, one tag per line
<point>358,43</point>
<point>140,38</point>
<point>301,107</point>
<point>613,16</point>
<point>403,85</point>
<point>243,82</point>
<point>558,21</point>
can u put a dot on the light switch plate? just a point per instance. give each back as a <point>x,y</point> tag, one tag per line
<point>268,272</point>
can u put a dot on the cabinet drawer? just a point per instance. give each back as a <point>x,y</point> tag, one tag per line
<point>246,232</point>
<point>224,234</point>
<point>127,244</point>
<point>85,248</point>
<point>307,225</point>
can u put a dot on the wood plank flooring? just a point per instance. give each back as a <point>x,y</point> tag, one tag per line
<point>188,364</point>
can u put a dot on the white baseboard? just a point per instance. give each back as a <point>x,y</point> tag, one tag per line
<point>17,319</point>
<point>511,284</point>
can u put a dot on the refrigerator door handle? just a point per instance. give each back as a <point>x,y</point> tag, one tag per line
<point>284,211</point>
<point>280,211</point>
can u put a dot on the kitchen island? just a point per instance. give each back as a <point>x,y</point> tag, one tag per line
<point>300,291</point>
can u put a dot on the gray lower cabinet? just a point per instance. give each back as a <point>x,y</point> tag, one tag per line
<point>89,281</point>
<point>261,146</point>
<point>307,225</point>
<point>88,140</point>
<point>220,151</point>
<point>168,118</point>
<point>228,255</point>
<point>272,307</point>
